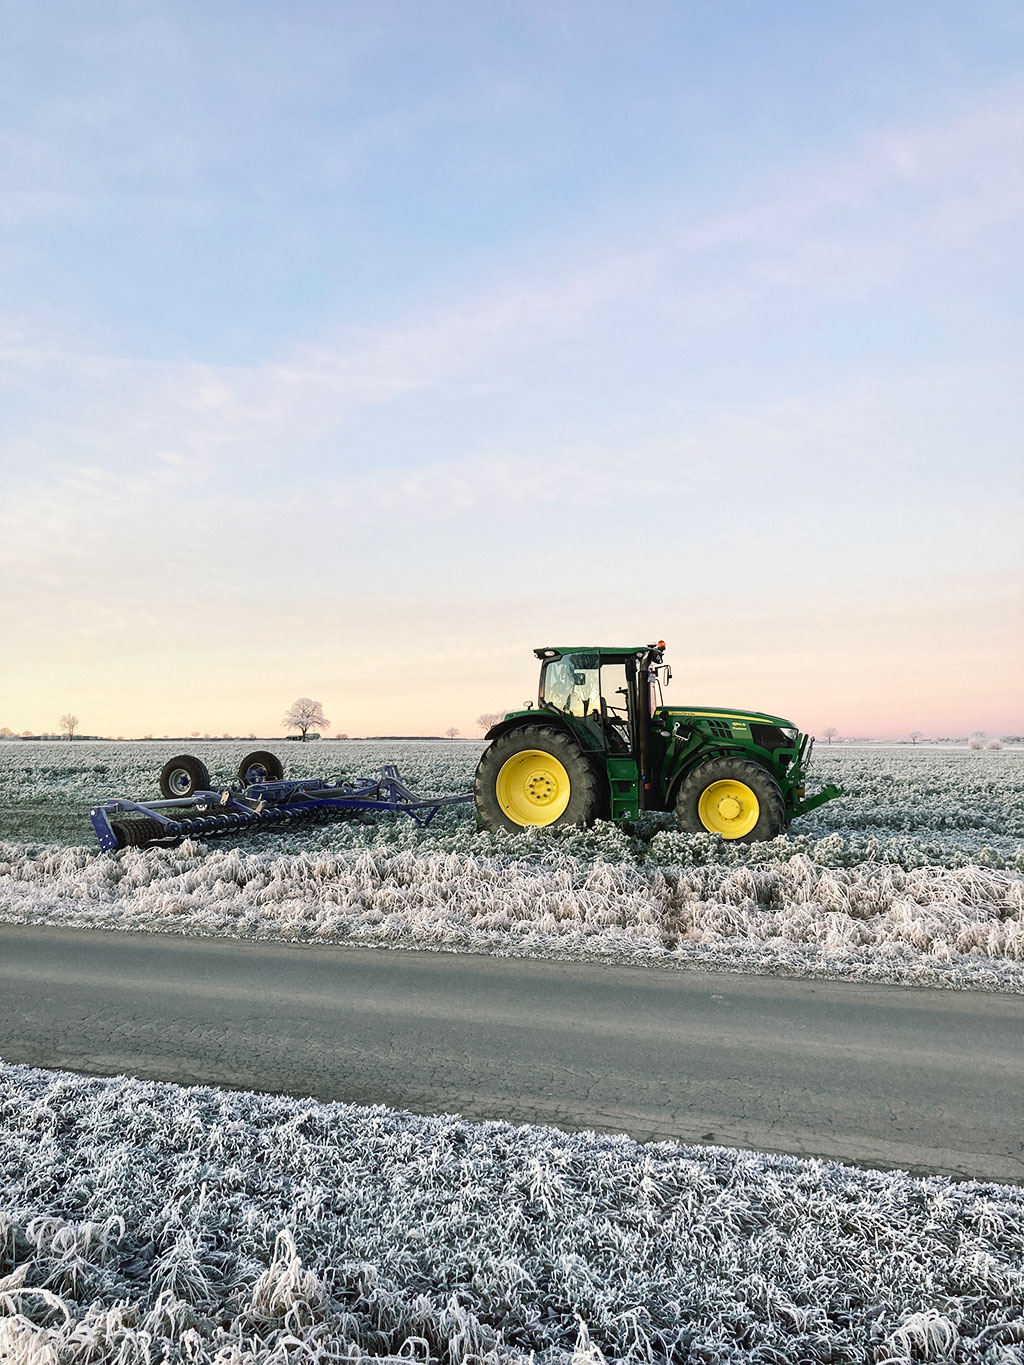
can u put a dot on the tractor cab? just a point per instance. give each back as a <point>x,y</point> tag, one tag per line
<point>596,688</point>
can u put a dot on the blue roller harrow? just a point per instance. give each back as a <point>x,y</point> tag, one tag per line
<point>258,802</point>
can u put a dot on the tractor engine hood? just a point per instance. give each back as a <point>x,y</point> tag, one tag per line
<point>718,719</point>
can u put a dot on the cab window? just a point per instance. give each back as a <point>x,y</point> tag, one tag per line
<point>572,684</point>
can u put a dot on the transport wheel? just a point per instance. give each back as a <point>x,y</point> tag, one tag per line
<point>184,775</point>
<point>259,767</point>
<point>731,797</point>
<point>535,775</point>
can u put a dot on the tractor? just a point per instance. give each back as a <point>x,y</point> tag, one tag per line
<point>602,745</point>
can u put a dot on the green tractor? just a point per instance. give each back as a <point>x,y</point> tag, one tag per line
<point>601,744</point>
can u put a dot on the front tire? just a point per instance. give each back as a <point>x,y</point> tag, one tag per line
<point>535,776</point>
<point>732,797</point>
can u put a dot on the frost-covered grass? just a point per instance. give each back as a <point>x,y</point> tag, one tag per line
<point>142,1222</point>
<point>917,875</point>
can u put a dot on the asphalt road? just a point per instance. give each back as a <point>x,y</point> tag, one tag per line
<point>928,1080</point>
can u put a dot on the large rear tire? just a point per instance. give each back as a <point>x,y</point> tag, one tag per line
<point>732,797</point>
<point>535,775</point>
<point>184,775</point>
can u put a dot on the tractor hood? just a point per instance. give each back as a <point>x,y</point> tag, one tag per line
<point>738,720</point>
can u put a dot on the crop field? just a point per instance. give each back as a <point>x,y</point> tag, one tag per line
<point>142,1222</point>
<point>917,875</point>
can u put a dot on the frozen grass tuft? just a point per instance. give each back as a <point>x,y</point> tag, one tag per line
<point>145,1222</point>
<point>917,876</point>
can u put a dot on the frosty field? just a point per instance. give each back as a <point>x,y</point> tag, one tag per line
<point>142,1222</point>
<point>917,875</point>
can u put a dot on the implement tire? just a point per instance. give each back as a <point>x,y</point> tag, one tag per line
<point>733,797</point>
<point>260,767</point>
<point>184,775</point>
<point>535,775</point>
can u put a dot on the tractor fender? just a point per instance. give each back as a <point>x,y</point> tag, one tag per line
<point>539,717</point>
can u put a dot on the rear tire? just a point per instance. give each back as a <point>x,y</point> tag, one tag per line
<point>535,776</point>
<point>184,775</point>
<point>733,797</point>
<point>260,767</point>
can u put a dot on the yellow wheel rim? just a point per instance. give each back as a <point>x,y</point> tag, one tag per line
<point>533,788</point>
<point>728,808</point>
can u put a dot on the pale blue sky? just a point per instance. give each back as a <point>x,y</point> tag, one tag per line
<point>335,334</point>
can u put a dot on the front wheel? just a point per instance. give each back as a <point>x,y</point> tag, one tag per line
<point>535,775</point>
<point>735,798</point>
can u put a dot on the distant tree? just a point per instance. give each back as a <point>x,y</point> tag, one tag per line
<point>195,734</point>
<point>830,733</point>
<point>26,734</point>
<point>995,743</point>
<point>452,731</point>
<point>488,719</point>
<point>304,714</point>
<point>68,724</point>
<point>6,732</point>
<point>977,739</point>
<point>915,735</point>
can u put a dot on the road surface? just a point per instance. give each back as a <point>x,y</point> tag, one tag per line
<point>928,1080</point>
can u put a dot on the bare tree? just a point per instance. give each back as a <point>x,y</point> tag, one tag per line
<point>68,724</point>
<point>304,714</point>
<point>488,719</point>
<point>195,734</point>
<point>452,731</point>
<point>6,732</point>
<point>830,733</point>
<point>915,735</point>
<point>977,739</point>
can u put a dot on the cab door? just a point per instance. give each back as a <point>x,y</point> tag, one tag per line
<point>618,727</point>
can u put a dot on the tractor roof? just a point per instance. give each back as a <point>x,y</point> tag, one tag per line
<point>606,651</point>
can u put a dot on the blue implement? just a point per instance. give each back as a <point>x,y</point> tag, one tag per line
<point>278,804</point>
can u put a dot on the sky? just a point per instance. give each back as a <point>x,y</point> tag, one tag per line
<point>352,351</point>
